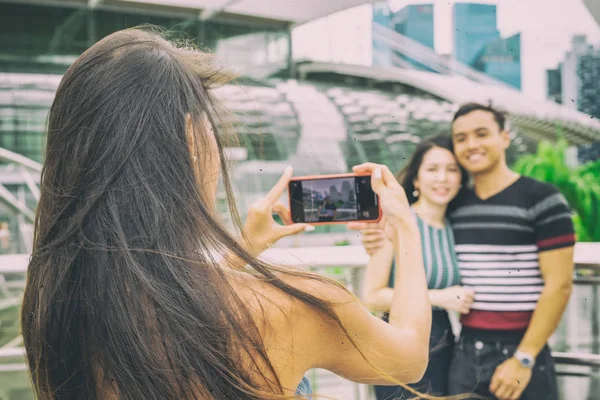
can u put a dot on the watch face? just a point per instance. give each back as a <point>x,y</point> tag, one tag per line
<point>525,360</point>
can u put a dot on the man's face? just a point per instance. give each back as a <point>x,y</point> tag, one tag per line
<point>479,144</point>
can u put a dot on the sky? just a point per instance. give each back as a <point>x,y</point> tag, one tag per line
<point>546,28</point>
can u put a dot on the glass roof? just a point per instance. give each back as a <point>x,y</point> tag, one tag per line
<point>458,90</point>
<point>294,11</point>
<point>594,7</point>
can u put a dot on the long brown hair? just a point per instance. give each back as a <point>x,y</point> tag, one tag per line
<point>124,296</point>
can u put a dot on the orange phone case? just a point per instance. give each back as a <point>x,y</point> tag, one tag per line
<point>312,177</point>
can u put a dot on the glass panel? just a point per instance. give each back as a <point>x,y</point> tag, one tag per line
<point>39,38</point>
<point>108,22</point>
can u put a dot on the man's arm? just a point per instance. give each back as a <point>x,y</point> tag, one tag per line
<point>555,237</point>
<point>555,241</point>
<point>557,271</point>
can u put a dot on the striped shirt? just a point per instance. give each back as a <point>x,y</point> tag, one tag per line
<point>439,256</point>
<point>498,241</point>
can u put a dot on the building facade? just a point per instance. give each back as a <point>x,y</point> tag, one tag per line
<point>475,27</point>
<point>554,84</point>
<point>588,153</point>
<point>416,23</point>
<point>382,54</point>
<point>588,76</point>
<point>501,59</point>
<point>576,82</point>
<point>477,43</point>
<point>46,39</point>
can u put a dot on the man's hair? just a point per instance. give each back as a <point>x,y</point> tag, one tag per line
<point>499,116</point>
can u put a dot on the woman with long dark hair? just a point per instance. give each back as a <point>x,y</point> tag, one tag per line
<point>135,290</point>
<point>432,179</point>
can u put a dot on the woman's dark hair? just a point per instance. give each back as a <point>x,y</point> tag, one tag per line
<point>125,298</point>
<point>409,173</point>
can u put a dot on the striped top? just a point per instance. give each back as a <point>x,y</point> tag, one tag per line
<point>439,256</point>
<point>498,241</point>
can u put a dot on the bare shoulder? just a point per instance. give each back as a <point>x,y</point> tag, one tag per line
<point>330,329</point>
<point>293,331</point>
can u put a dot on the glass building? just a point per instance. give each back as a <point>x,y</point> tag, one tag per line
<point>591,152</point>
<point>554,85</point>
<point>416,23</point>
<point>382,15</point>
<point>40,39</point>
<point>475,28</point>
<point>501,59</point>
<point>579,73</point>
<point>588,74</point>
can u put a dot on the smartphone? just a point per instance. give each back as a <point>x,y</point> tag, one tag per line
<point>333,199</point>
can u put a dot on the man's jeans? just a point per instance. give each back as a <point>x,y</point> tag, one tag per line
<point>474,362</point>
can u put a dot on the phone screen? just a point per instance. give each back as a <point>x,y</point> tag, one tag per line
<point>333,199</point>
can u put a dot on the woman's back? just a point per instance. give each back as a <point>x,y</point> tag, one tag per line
<point>125,297</point>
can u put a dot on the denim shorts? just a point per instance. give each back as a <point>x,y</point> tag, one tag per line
<point>435,380</point>
<point>474,362</point>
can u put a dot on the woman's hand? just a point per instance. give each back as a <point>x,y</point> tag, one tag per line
<point>373,237</point>
<point>454,298</point>
<point>394,204</point>
<point>260,229</point>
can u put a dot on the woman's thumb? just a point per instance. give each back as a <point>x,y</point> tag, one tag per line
<point>377,181</point>
<point>287,230</point>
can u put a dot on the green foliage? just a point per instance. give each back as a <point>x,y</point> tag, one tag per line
<point>580,186</point>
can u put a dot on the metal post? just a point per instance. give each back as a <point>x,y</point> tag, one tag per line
<point>91,27</point>
<point>290,57</point>
<point>595,321</point>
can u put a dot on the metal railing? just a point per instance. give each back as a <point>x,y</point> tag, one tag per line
<point>347,263</point>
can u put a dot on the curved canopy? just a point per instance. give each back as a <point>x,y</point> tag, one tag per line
<point>594,7</point>
<point>528,113</point>
<point>294,12</point>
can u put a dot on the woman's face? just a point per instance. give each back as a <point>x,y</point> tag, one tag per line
<point>439,177</point>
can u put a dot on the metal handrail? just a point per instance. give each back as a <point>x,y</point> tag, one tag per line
<point>587,256</point>
<point>353,259</point>
<point>580,359</point>
<point>561,358</point>
<point>15,158</point>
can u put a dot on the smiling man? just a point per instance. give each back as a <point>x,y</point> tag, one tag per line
<point>514,241</point>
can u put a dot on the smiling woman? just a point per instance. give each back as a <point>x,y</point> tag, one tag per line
<point>432,179</point>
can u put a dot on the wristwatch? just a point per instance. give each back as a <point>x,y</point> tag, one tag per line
<point>526,360</point>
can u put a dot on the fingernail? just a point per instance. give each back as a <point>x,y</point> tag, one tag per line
<point>288,168</point>
<point>377,173</point>
<point>309,228</point>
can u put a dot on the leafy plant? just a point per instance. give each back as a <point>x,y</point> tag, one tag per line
<point>580,186</point>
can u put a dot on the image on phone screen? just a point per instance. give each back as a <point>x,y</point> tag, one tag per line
<point>324,200</point>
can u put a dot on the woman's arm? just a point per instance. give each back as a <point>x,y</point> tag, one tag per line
<point>454,298</point>
<point>382,353</point>
<point>377,294</point>
<point>398,350</point>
